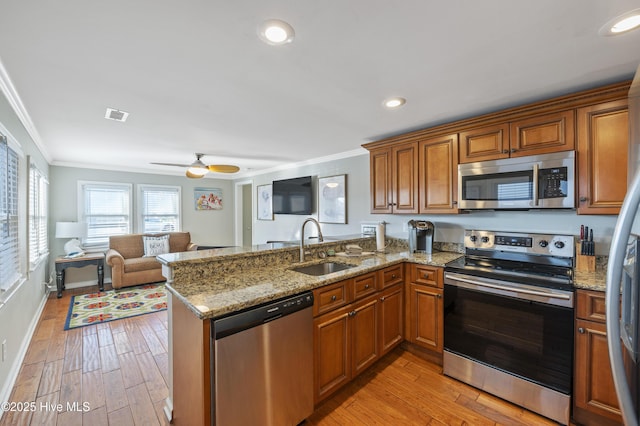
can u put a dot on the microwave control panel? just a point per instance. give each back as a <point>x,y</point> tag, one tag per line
<point>553,183</point>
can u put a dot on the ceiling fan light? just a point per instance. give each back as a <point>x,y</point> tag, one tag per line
<point>198,170</point>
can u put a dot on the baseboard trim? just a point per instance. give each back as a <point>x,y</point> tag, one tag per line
<point>80,284</point>
<point>5,392</point>
<point>168,409</point>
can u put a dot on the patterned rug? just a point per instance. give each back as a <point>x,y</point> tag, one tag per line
<point>105,306</point>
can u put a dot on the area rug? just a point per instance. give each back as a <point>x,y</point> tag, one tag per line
<point>105,306</point>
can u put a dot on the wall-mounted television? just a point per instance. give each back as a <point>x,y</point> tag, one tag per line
<point>293,196</point>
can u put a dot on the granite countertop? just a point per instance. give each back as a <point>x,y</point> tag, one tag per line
<point>251,286</point>
<point>213,283</point>
<point>591,280</point>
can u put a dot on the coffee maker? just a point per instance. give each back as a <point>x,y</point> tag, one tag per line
<point>421,233</point>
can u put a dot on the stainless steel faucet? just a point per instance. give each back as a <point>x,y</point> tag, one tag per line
<point>320,239</point>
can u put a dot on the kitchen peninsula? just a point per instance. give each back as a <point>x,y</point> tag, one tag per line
<point>210,284</point>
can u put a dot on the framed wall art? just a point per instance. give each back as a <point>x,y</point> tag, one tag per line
<point>332,199</point>
<point>207,198</point>
<point>265,204</point>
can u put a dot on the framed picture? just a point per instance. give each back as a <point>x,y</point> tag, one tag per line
<point>332,199</point>
<point>265,205</point>
<point>207,198</point>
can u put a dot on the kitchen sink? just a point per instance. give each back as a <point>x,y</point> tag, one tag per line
<point>322,268</point>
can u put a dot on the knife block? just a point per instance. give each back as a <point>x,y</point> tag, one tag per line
<point>584,263</point>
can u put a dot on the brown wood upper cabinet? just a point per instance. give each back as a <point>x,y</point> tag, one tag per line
<point>541,134</point>
<point>603,144</point>
<point>438,175</point>
<point>394,179</point>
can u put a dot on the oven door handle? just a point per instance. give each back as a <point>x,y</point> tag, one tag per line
<point>515,290</point>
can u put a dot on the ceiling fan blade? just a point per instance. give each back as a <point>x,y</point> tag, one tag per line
<point>193,176</point>
<point>171,164</point>
<point>223,168</point>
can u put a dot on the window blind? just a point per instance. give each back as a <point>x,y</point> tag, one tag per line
<point>38,216</point>
<point>159,208</point>
<point>9,241</point>
<point>106,210</point>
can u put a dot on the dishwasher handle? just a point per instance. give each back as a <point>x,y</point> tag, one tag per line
<point>258,315</point>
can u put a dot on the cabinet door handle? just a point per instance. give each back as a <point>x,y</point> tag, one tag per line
<point>505,151</point>
<point>583,199</point>
<point>581,330</point>
<point>514,150</point>
<point>382,299</point>
<point>439,296</point>
<point>333,298</point>
<point>352,313</point>
<point>454,203</point>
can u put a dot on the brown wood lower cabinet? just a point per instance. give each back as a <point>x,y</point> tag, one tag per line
<point>350,338</point>
<point>594,395</point>
<point>424,307</point>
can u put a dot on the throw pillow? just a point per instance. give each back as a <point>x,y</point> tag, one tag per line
<point>154,246</point>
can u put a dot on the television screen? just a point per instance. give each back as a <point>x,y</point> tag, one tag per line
<point>292,196</point>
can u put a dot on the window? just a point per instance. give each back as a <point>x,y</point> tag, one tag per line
<point>38,216</point>
<point>9,233</point>
<point>159,209</point>
<point>106,209</point>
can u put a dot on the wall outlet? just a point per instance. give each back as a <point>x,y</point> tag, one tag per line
<point>4,350</point>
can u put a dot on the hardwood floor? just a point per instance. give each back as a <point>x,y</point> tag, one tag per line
<point>118,370</point>
<point>115,373</point>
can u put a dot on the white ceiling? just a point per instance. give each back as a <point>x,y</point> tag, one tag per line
<point>195,77</point>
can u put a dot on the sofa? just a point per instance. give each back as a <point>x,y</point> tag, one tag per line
<point>130,266</point>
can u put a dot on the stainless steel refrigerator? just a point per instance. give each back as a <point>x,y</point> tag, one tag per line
<point>623,280</point>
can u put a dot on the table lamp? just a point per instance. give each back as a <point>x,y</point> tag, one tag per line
<point>73,230</point>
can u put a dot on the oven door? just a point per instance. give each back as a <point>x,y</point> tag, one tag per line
<point>521,330</point>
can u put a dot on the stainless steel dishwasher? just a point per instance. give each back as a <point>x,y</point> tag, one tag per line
<point>262,364</point>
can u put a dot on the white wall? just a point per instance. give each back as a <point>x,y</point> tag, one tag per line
<point>20,311</point>
<point>211,227</point>
<point>449,227</point>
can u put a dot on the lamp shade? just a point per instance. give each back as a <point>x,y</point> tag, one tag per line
<point>70,229</point>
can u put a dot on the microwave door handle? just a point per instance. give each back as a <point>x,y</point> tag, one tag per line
<point>535,183</point>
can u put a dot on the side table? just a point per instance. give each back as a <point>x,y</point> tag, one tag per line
<point>63,263</point>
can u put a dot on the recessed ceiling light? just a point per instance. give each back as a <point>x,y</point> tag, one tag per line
<point>276,32</point>
<point>621,24</point>
<point>116,115</point>
<point>393,103</point>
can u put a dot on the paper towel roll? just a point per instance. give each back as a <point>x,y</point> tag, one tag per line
<point>380,230</point>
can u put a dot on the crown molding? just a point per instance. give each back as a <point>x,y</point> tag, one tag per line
<point>10,92</point>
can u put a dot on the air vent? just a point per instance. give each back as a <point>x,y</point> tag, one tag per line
<point>116,114</point>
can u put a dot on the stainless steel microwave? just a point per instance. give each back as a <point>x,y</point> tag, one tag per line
<point>535,182</point>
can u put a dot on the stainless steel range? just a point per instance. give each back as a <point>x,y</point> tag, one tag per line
<point>508,325</point>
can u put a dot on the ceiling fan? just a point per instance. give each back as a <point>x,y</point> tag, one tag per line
<point>198,169</point>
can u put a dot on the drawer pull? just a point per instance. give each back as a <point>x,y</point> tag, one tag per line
<point>426,276</point>
<point>366,286</point>
<point>581,330</point>
<point>393,276</point>
<point>333,298</point>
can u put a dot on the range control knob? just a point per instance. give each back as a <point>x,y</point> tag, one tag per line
<point>484,239</point>
<point>559,244</point>
<point>543,243</point>
<point>473,238</point>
